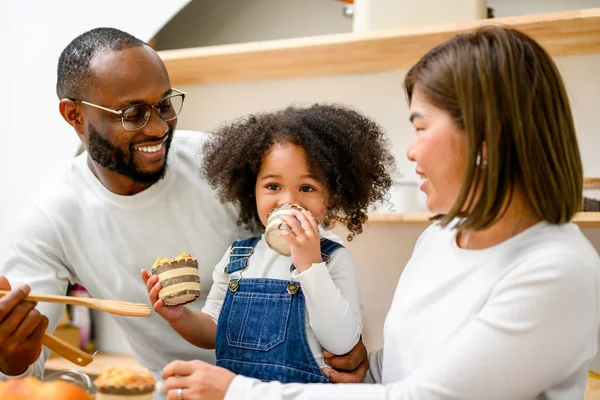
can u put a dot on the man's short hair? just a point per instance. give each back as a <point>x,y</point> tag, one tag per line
<point>73,73</point>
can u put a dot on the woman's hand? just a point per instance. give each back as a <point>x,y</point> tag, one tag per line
<point>171,314</point>
<point>304,239</point>
<point>197,380</point>
<point>349,368</point>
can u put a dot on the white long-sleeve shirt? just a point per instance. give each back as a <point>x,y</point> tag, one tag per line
<point>75,230</point>
<point>333,315</point>
<point>515,321</point>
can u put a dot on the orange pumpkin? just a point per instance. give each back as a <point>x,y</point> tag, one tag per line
<point>20,389</point>
<point>32,389</point>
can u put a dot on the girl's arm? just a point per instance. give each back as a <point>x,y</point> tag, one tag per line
<point>198,328</point>
<point>333,302</point>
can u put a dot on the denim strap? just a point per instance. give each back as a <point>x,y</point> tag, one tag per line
<point>328,247</point>
<point>239,254</point>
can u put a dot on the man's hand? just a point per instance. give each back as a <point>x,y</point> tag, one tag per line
<point>22,328</point>
<point>349,368</point>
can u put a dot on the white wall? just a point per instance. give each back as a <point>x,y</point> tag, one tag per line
<point>380,95</point>
<point>36,141</point>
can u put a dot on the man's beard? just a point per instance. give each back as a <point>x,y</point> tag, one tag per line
<point>114,159</point>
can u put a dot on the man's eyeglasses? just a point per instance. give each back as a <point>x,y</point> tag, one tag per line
<point>137,116</point>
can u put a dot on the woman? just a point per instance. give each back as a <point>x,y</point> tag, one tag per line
<point>500,297</point>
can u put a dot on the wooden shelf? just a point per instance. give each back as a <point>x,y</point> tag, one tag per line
<point>587,219</point>
<point>562,34</point>
<point>101,361</point>
<point>583,219</point>
<point>413,218</point>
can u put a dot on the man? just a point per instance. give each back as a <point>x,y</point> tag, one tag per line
<point>117,207</point>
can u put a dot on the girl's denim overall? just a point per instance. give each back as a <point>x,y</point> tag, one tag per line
<point>261,332</point>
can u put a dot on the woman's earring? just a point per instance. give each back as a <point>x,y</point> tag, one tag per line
<point>479,162</point>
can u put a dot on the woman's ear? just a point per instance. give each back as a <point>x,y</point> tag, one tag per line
<point>71,112</point>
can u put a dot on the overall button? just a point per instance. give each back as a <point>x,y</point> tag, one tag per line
<point>292,288</point>
<point>234,286</point>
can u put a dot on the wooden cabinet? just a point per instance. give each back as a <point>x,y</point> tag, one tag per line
<point>562,34</point>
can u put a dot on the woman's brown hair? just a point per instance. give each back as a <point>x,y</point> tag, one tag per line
<point>504,89</point>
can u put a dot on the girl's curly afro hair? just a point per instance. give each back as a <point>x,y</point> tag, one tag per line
<point>346,151</point>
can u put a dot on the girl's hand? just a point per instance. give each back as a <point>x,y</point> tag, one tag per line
<point>197,380</point>
<point>171,314</point>
<point>304,239</point>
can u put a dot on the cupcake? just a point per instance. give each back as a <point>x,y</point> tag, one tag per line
<point>179,279</point>
<point>123,383</point>
<point>275,225</point>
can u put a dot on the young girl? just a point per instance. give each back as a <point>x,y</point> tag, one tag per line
<point>331,161</point>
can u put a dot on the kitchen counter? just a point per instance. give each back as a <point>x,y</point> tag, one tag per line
<point>101,361</point>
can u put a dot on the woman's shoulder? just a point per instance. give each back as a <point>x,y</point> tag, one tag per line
<point>565,241</point>
<point>558,253</point>
<point>542,243</point>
